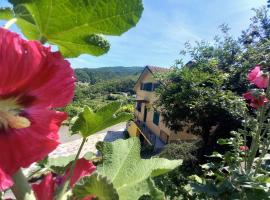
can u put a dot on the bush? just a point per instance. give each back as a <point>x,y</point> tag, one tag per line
<point>179,150</point>
<point>174,183</point>
<point>111,97</point>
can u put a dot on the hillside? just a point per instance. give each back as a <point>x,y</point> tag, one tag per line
<point>95,75</point>
<point>98,86</point>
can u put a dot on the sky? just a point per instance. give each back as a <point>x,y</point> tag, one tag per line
<point>164,28</point>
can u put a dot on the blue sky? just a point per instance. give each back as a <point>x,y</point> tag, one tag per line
<point>164,28</point>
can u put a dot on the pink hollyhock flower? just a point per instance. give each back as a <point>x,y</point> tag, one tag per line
<point>255,101</point>
<point>46,188</point>
<point>243,148</point>
<point>34,81</point>
<point>257,77</point>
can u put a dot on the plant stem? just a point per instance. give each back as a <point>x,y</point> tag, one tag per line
<point>76,158</point>
<point>65,187</point>
<point>245,141</point>
<point>10,22</point>
<point>255,140</point>
<point>21,189</point>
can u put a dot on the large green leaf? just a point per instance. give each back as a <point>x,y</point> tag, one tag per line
<point>89,122</point>
<point>75,26</point>
<point>129,174</point>
<point>97,185</point>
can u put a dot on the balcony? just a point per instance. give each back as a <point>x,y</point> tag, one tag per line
<point>152,137</point>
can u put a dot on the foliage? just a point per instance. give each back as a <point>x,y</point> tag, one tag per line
<point>95,184</point>
<point>98,91</point>
<point>128,173</point>
<point>76,26</point>
<point>225,178</point>
<point>57,165</point>
<point>129,108</point>
<point>96,75</point>
<point>206,96</point>
<point>239,174</point>
<point>89,122</point>
<point>180,150</point>
<point>175,183</point>
<point>6,13</point>
<point>195,98</point>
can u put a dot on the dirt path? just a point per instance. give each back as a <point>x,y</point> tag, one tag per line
<point>65,135</point>
<point>70,144</point>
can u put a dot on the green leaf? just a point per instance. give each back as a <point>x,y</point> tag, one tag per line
<point>97,185</point>
<point>195,178</point>
<point>224,141</point>
<point>209,189</point>
<point>89,122</point>
<point>215,155</point>
<point>75,26</point>
<point>63,161</point>
<point>129,173</point>
<point>6,13</point>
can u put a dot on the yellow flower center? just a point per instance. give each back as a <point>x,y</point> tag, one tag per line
<point>9,115</point>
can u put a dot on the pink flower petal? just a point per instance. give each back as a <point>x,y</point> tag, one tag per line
<point>243,148</point>
<point>5,180</point>
<point>82,168</point>
<point>21,147</point>
<point>45,189</point>
<point>248,95</point>
<point>257,77</point>
<point>261,81</point>
<point>30,69</point>
<point>253,73</point>
<point>38,80</point>
<point>255,101</point>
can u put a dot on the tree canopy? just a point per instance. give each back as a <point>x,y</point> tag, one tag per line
<point>206,93</point>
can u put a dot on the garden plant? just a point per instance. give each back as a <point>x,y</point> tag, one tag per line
<point>36,81</point>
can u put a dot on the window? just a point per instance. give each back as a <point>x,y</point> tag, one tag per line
<point>139,106</point>
<point>156,118</point>
<point>149,86</point>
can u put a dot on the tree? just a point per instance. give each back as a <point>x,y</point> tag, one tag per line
<point>206,92</point>
<point>195,98</point>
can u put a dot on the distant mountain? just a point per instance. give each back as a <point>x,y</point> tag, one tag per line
<point>95,75</point>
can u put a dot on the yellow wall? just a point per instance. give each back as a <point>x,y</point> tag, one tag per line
<point>151,97</point>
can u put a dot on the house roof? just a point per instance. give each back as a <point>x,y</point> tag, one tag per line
<point>154,70</point>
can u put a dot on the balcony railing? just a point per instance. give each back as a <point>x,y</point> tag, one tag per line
<point>152,137</point>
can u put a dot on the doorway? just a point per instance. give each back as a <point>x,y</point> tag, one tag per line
<point>145,114</point>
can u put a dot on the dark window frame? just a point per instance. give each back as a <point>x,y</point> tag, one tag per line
<point>156,118</point>
<point>139,106</point>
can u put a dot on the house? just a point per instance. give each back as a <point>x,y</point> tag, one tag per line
<point>148,119</point>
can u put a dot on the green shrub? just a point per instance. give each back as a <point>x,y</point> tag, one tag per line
<point>174,184</point>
